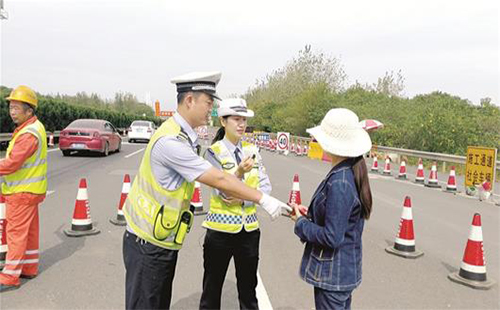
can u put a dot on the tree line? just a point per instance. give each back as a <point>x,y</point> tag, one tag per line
<point>297,96</point>
<point>57,112</point>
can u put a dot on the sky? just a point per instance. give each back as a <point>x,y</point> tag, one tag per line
<point>108,46</point>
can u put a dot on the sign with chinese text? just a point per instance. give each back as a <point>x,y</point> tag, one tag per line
<point>480,166</point>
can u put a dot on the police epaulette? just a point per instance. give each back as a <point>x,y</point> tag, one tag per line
<point>182,136</point>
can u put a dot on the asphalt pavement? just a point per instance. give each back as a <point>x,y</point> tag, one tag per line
<point>88,272</point>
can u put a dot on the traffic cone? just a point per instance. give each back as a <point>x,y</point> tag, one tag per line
<point>51,140</point>
<point>402,171</point>
<point>120,218</point>
<point>81,224</point>
<point>387,166</point>
<point>295,196</point>
<point>196,201</point>
<point>420,178</point>
<point>293,148</point>
<point>473,267</point>
<point>433,177</point>
<point>404,245</point>
<point>374,165</point>
<point>451,186</point>
<point>306,150</point>
<point>3,232</point>
<point>298,151</point>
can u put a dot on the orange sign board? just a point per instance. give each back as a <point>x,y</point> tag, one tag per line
<point>480,166</point>
<point>167,113</point>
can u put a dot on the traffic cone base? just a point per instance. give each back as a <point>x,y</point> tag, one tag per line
<point>459,277</point>
<point>404,253</point>
<point>76,231</point>
<point>119,220</point>
<point>402,177</point>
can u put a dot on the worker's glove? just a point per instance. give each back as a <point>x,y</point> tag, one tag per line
<point>273,206</point>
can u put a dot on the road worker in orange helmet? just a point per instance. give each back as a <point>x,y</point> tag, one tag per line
<point>23,179</point>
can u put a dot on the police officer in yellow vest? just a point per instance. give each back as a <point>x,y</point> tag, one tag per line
<point>232,225</point>
<point>24,174</point>
<point>157,207</point>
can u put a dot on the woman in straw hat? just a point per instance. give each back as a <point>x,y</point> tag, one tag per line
<point>232,224</point>
<point>334,223</point>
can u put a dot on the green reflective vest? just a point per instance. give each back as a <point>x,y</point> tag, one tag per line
<point>232,218</point>
<point>153,212</point>
<point>32,176</point>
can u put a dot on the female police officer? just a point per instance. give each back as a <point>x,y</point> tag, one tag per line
<point>232,225</point>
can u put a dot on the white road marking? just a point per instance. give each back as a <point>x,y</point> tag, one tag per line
<point>262,297</point>
<point>136,152</point>
<point>52,150</point>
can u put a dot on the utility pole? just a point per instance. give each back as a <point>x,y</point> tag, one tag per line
<point>3,13</point>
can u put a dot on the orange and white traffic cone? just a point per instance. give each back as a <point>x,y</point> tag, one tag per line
<point>473,267</point>
<point>3,232</point>
<point>306,149</point>
<point>420,178</point>
<point>51,140</point>
<point>402,171</point>
<point>295,196</point>
<point>196,201</point>
<point>292,150</point>
<point>451,186</point>
<point>374,165</point>
<point>81,224</point>
<point>120,218</point>
<point>404,245</point>
<point>433,177</point>
<point>298,151</point>
<point>387,166</point>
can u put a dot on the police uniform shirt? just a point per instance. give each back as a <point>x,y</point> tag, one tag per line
<point>264,182</point>
<point>174,160</point>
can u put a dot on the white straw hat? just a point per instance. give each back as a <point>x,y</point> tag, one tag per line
<point>341,134</point>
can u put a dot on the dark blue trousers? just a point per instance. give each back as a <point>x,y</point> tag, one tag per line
<point>150,271</point>
<point>332,300</point>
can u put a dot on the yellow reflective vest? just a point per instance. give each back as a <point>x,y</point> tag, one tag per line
<point>153,212</point>
<point>233,218</point>
<point>32,176</point>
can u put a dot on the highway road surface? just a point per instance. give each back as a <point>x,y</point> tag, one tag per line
<point>88,272</point>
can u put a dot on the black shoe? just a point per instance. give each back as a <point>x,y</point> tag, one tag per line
<point>6,288</point>
<point>25,276</point>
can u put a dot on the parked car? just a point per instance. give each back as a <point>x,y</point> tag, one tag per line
<point>94,135</point>
<point>141,130</point>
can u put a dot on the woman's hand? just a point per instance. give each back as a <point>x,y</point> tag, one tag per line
<point>295,214</point>
<point>231,200</point>
<point>245,166</point>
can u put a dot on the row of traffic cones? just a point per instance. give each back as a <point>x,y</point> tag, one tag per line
<point>433,182</point>
<point>472,271</point>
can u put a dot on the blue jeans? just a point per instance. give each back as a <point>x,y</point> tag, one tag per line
<point>334,300</point>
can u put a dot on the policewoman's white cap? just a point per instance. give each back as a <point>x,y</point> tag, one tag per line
<point>340,133</point>
<point>198,82</point>
<point>234,106</point>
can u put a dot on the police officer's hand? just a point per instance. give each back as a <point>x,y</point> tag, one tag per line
<point>273,206</point>
<point>245,166</point>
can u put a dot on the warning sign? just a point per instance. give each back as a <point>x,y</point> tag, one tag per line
<point>283,141</point>
<point>480,166</point>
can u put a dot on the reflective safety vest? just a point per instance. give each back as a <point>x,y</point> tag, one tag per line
<point>32,176</point>
<point>232,218</point>
<point>153,212</point>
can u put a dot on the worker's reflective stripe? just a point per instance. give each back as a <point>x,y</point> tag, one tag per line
<point>9,271</point>
<point>34,164</point>
<point>21,261</point>
<point>26,181</point>
<point>32,252</point>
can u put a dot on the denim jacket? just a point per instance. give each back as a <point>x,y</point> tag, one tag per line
<point>332,232</point>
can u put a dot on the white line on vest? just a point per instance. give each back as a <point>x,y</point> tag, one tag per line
<point>136,152</point>
<point>262,297</point>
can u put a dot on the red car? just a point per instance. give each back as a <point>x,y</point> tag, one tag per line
<point>94,135</point>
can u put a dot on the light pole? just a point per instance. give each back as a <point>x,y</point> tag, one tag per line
<point>3,13</point>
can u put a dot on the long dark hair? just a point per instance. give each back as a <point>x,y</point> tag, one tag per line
<point>363,186</point>
<point>221,132</point>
